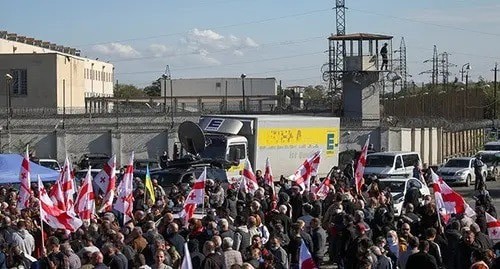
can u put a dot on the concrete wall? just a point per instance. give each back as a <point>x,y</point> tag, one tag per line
<point>217,87</point>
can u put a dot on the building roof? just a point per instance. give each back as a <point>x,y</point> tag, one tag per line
<point>38,43</point>
<point>360,36</point>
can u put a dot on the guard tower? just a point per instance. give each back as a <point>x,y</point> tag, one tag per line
<point>362,68</point>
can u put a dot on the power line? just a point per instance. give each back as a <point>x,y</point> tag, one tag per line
<point>273,44</point>
<point>229,64</point>
<point>214,27</point>
<point>427,23</point>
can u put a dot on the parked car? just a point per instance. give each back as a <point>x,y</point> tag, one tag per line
<point>492,146</point>
<point>460,171</point>
<point>492,161</point>
<point>49,163</point>
<point>398,188</point>
<point>391,164</point>
<point>141,164</point>
<point>178,176</point>
<point>95,160</point>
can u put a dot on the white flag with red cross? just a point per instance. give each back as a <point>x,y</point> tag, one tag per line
<point>125,201</point>
<point>448,201</point>
<point>85,201</point>
<point>106,181</point>
<point>268,178</point>
<point>360,167</point>
<point>53,215</point>
<point>493,226</point>
<point>25,186</point>
<point>324,189</point>
<point>63,191</point>
<point>195,197</point>
<point>248,179</point>
<point>306,171</point>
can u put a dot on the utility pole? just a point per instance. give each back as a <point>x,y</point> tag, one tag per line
<point>495,71</point>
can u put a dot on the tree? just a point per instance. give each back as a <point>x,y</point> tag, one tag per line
<point>128,91</point>
<point>154,89</point>
<point>314,96</point>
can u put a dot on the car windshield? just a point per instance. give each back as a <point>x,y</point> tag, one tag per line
<point>379,161</point>
<point>491,147</point>
<point>50,164</point>
<point>457,163</point>
<point>216,149</point>
<point>141,165</point>
<point>213,173</point>
<point>394,186</point>
<point>167,178</point>
<point>488,159</point>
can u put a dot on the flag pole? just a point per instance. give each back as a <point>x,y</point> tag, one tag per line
<point>203,203</point>
<point>41,218</point>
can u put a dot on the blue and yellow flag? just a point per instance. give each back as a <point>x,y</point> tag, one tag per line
<point>149,185</point>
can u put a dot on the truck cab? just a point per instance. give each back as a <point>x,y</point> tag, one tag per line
<point>231,148</point>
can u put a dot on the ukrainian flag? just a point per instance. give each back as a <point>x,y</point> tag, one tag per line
<point>149,185</point>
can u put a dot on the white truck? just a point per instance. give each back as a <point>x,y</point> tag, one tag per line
<point>286,139</point>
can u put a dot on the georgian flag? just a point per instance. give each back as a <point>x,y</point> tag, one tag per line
<point>63,191</point>
<point>448,201</point>
<point>360,167</point>
<point>106,181</point>
<point>493,227</point>
<point>25,179</point>
<point>324,189</point>
<point>53,215</point>
<point>268,178</point>
<point>308,169</point>
<point>195,197</point>
<point>85,201</point>
<point>248,180</point>
<point>125,201</point>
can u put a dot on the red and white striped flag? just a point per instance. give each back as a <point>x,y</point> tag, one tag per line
<point>308,169</point>
<point>324,189</point>
<point>248,179</point>
<point>360,167</point>
<point>493,227</point>
<point>125,201</point>
<point>106,181</point>
<point>63,191</point>
<point>448,201</point>
<point>25,179</point>
<point>85,201</point>
<point>195,197</point>
<point>306,261</point>
<point>53,215</point>
<point>268,178</point>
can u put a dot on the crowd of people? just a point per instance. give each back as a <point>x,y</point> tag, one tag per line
<point>259,230</point>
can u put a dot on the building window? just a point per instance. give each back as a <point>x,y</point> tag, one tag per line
<point>19,84</point>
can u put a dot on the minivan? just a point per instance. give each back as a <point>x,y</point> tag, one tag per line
<point>391,164</point>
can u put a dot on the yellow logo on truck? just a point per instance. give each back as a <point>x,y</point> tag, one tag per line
<point>326,138</point>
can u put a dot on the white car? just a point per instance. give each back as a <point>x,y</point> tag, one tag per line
<point>399,187</point>
<point>49,163</point>
<point>460,170</point>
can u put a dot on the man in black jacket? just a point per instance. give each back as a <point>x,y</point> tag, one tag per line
<point>422,259</point>
<point>318,235</point>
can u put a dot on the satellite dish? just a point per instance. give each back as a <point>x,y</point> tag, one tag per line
<point>191,137</point>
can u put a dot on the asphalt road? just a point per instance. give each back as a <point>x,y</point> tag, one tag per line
<point>468,193</point>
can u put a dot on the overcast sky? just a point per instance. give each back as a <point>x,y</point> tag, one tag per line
<point>285,39</point>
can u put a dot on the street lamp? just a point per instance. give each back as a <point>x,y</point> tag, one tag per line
<point>466,67</point>
<point>243,76</point>
<point>8,80</point>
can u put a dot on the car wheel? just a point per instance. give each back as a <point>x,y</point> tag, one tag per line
<point>467,181</point>
<point>495,173</point>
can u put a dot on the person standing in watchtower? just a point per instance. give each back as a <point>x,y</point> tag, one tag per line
<point>385,60</point>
